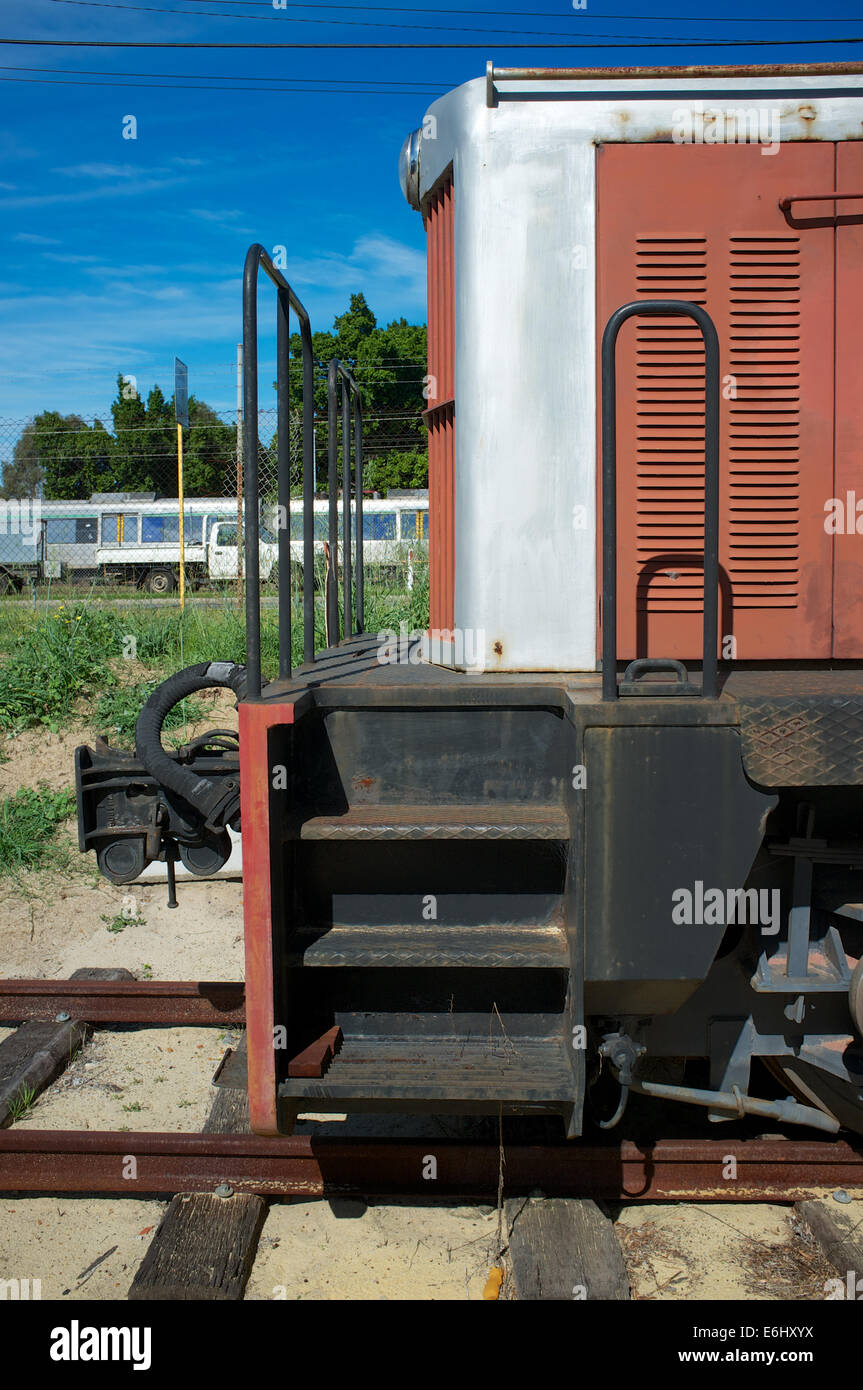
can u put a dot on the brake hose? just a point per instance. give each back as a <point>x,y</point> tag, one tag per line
<point>217,803</point>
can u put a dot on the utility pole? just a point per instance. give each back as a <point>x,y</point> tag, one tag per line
<point>240,474</point>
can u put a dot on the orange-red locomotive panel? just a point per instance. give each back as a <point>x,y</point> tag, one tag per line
<point>703,223</point>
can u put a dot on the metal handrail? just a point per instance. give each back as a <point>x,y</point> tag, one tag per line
<point>340,379</point>
<point>709,668</point>
<point>256,256</point>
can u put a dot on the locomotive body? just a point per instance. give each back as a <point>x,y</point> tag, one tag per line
<point>604,817</point>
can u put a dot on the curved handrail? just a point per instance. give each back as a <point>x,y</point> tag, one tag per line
<point>257,257</point>
<point>709,668</point>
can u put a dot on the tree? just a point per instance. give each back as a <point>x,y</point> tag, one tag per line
<point>388,365</point>
<point>71,453</point>
<point>23,475</point>
<point>208,452</point>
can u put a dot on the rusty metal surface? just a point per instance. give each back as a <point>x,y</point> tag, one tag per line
<point>670,1170</point>
<point>847,561</point>
<point>440,229</point>
<point>124,1001</point>
<point>770,295</point>
<point>693,70</point>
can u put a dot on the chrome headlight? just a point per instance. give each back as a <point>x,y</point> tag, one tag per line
<point>409,168</point>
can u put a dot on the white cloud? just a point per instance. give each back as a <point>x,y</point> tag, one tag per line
<point>100,171</point>
<point>35,239</point>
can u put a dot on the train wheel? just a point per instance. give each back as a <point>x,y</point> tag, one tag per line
<point>811,1085</point>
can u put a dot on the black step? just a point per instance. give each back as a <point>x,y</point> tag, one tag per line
<point>432,945</point>
<point>535,1071</point>
<point>503,820</point>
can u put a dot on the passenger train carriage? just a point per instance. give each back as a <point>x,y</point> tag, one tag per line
<point>69,539</point>
<point>629,835</point>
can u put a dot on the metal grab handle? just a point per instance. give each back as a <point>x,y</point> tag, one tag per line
<point>338,375</point>
<point>256,256</point>
<point>785,203</point>
<point>637,668</point>
<point>655,307</point>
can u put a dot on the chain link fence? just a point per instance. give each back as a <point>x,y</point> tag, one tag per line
<point>84,510</point>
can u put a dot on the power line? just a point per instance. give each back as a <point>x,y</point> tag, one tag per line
<point>216,77</point>
<point>412,47</point>
<point>352,23</point>
<point>340,23</point>
<point>183,87</point>
<point>580,18</point>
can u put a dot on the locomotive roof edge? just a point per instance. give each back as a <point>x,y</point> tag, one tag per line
<point>466,111</point>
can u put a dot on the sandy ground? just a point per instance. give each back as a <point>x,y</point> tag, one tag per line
<point>148,1078</point>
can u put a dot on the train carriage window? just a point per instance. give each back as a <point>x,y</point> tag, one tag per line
<point>70,530</point>
<point>322,526</point>
<point>414,524</point>
<point>165,530</point>
<point>379,526</point>
<point>120,528</point>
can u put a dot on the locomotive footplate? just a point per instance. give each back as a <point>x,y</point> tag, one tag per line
<point>800,728</point>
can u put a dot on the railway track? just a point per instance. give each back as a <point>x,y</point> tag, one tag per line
<point>661,1170</point>
<point>205,1246</point>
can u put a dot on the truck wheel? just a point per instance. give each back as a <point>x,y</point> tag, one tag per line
<point>160,580</point>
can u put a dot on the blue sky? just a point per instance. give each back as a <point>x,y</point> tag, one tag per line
<point>119,254</point>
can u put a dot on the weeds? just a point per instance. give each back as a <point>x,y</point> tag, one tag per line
<point>119,922</point>
<point>56,658</point>
<point>28,826</point>
<point>21,1104</point>
<point>62,657</point>
<point>117,712</point>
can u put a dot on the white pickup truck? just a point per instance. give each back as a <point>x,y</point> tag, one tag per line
<point>156,567</point>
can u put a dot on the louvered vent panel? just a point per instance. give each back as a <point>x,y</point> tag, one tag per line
<point>440,416</point>
<point>670,427</point>
<point>704,223</point>
<point>763,421</point>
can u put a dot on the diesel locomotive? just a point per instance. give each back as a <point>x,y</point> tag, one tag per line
<point>605,818</point>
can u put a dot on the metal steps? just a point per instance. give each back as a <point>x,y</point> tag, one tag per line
<point>527,1071</point>
<point>498,947</point>
<point>510,820</point>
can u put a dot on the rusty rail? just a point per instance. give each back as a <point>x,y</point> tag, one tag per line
<point>667,1171</point>
<point>98,1161</point>
<point>124,1001</point>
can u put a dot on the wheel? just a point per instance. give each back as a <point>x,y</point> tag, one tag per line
<point>812,1086</point>
<point>160,581</point>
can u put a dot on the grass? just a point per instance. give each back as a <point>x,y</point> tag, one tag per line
<point>117,712</point>
<point>89,653</point>
<point>62,657</point>
<point>21,1103</point>
<point>97,663</point>
<point>28,828</point>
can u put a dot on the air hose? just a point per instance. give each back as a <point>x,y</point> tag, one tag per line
<point>218,803</point>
